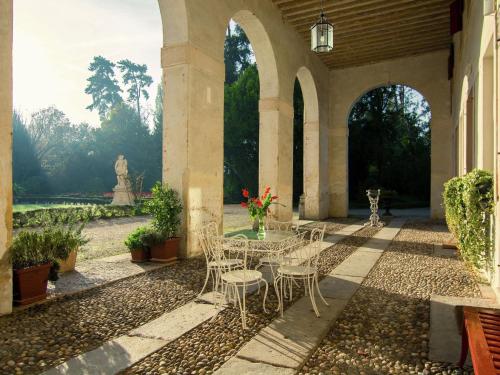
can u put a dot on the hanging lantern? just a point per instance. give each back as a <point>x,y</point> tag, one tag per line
<point>322,35</point>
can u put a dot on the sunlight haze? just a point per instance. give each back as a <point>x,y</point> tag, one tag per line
<point>55,41</point>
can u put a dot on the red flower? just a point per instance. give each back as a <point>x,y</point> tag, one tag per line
<point>244,204</point>
<point>274,197</point>
<point>268,189</point>
<point>259,203</point>
<point>245,193</point>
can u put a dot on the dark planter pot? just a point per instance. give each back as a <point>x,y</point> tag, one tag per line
<point>139,255</point>
<point>30,284</point>
<point>166,251</point>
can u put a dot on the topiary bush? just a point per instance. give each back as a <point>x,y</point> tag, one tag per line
<point>468,203</point>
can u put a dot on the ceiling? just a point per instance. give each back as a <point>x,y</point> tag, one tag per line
<point>368,31</point>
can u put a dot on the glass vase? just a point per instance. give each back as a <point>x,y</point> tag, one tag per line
<point>261,234</point>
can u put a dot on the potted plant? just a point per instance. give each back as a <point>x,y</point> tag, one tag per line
<point>139,249</point>
<point>165,207</point>
<point>32,259</point>
<point>66,242</point>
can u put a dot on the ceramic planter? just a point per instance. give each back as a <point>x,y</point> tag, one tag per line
<point>68,264</point>
<point>139,255</point>
<point>166,251</point>
<point>30,284</point>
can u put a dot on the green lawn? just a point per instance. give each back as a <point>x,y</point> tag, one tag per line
<point>31,207</point>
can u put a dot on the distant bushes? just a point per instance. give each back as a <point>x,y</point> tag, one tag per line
<point>54,216</point>
<point>468,202</point>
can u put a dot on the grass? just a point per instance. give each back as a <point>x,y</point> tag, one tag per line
<point>31,207</point>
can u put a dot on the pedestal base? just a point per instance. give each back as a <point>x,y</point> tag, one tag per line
<point>122,197</point>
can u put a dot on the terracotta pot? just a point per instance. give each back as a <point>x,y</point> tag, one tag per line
<point>30,284</point>
<point>68,264</point>
<point>167,251</point>
<point>139,255</point>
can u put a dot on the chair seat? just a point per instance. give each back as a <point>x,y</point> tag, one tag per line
<point>226,263</point>
<point>296,270</point>
<point>241,276</point>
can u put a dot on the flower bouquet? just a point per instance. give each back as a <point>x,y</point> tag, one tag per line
<point>258,208</point>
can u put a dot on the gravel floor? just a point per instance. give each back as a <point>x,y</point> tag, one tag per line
<point>384,328</point>
<point>46,335</point>
<point>205,348</point>
<point>332,225</point>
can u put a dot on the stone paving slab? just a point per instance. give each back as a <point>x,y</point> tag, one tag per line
<point>287,341</point>
<point>444,334</point>
<point>358,264</point>
<point>174,324</point>
<point>343,233</point>
<point>340,286</point>
<point>114,356</point>
<point>242,367</point>
<point>97,272</point>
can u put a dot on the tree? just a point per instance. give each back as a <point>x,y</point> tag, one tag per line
<point>103,86</point>
<point>27,172</point>
<point>135,77</point>
<point>241,134</point>
<point>389,144</point>
<point>298,142</point>
<point>237,53</point>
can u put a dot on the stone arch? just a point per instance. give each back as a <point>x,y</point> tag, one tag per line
<point>311,144</point>
<point>263,50</point>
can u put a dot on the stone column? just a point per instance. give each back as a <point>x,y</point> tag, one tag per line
<point>312,170</point>
<point>193,136</point>
<point>276,153</point>
<point>5,154</point>
<point>338,146</point>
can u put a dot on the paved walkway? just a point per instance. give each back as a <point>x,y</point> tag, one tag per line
<point>124,351</point>
<point>97,272</point>
<point>285,345</point>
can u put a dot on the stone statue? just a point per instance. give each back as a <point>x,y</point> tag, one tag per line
<point>123,195</point>
<point>121,170</point>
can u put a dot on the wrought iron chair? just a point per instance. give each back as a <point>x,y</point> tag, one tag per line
<point>301,265</point>
<point>235,283</point>
<point>207,236</point>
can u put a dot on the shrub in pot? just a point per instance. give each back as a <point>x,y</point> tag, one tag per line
<point>32,259</point>
<point>66,242</point>
<point>137,244</point>
<point>165,206</point>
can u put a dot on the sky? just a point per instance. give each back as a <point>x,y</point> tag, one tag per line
<point>55,41</point>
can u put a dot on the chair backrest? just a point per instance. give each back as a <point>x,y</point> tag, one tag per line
<point>282,226</point>
<point>236,246</point>
<point>207,236</point>
<point>308,254</point>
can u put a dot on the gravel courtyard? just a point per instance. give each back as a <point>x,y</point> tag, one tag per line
<point>384,328</point>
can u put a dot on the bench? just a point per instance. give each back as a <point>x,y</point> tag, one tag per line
<point>481,336</point>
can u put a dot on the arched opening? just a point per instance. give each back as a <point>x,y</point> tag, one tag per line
<point>250,74</point>
<point>389,148</point>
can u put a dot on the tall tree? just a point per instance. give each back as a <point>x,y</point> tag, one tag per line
<point>136,78</point>
<point>298,142</point>
<point>237,53</point>
<point>103,86</point>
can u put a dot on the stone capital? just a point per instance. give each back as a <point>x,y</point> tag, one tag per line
<point>276,104</point>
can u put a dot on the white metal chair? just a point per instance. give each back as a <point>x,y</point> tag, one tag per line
<point>301,265</point>
<point>235,283</point>
<point>207,236</point>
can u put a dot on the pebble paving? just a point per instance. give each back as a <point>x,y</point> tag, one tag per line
<point>385,327</point>
<point>207,347</point>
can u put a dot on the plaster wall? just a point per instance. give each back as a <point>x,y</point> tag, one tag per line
<point>5,154</point>
<point>426,73</point>
<point>193,66</point>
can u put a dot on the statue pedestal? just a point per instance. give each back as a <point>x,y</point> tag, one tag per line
<point>122,196</point>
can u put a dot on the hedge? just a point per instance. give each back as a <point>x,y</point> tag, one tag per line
<point>468,203</point>
<point>52,216</point>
